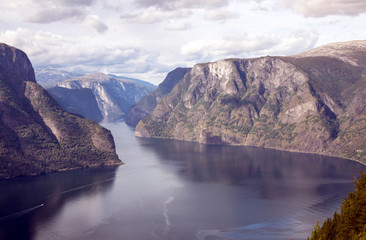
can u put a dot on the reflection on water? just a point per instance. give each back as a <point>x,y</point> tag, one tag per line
<point>179,190</point>
<point>27,202</point>
<point>234,164</point>
<point>287,191</point>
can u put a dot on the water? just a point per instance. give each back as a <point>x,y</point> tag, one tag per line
<point>179,190</point>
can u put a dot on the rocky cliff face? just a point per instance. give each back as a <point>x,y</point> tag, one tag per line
<point>114,96</point>
<point>305,103</point>
<point>36,135</point>
<point>147,104</point>
<point>78,101</point>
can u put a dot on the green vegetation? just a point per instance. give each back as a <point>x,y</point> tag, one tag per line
<point>156,128</point>
<point>350,223</point>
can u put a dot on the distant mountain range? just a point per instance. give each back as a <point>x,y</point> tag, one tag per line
<point>96,96</point>
<point>48,78</point>
<point>314,102</point>
<point>36,135</point>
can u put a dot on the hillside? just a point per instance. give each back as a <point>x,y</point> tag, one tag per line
<point>78,101</point>
<point>113,95</point>
<point>36,135</point>
<point>147,104</point>
<point>312,102</point>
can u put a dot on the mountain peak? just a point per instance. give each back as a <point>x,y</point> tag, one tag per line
<point>351,52</point>
<point>36,135</point>
<point>14,61</point>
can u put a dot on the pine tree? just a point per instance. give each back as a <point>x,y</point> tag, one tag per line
<point>350,223</point>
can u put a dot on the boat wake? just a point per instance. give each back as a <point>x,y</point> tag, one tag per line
<point>168,223</point>
<point>20,213</point>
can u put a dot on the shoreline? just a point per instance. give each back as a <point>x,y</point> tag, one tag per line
<point>240,145</point>
<point>65,170</point>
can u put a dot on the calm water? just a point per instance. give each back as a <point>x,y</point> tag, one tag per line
<point>179,190</point>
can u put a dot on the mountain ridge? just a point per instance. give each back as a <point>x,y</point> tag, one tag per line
<point>297,103</point>
<point>36,135</point>
<point>114,96</point>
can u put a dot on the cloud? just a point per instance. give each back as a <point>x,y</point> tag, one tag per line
<point>177,26</point>
<point>148,16</point>
<point>50,11</point>
<point>73,2</point>
<point>179,4</point>
<point>220,14</point>
<point>54,15</point>
<point>321,8</point>
<point>48,50</point>
<point>249,45</point>
<point>69,11</point>
<point>153,15</point>
<point>94,21</point>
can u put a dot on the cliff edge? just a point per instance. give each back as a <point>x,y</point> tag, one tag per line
<point>36,135</point>
<point>313,102</point>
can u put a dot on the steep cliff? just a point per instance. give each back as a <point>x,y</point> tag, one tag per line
<point>147,104</point>
<point>114,96</point>
<point>78,101</point>
<point>36,135</point>
<point>309,102</point>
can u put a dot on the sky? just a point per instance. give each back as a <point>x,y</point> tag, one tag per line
<point>146,39</point>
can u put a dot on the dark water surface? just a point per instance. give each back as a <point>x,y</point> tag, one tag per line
<point>179,190</point>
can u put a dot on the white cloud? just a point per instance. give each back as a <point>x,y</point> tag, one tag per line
<point>148,16</point>
<point>46,50</point>
<point>321,8</point>
<point>14,3</point>
<point>94,21</point>
<point>249,45</point>
<point>220,14</point>
<point>54,14</point>
<point>179,4</point>
<point>51,11</point>
<point>73,2</point>
<point>177,26</point>
<point>152,15</point>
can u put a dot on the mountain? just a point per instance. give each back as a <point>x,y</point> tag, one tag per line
<point>48,78</point>
<point>141,82</point>
<point>113,96</point>
<point>78,101</point>
<point>36,135</point>
<point>351,52</point>
<point>314,102</point>
<point>147,104</point>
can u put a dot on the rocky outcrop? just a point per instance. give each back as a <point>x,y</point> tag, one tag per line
<point>306,103</point>
<point>147,104</point>
<point>36,135</point>
<point>114,96</point>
